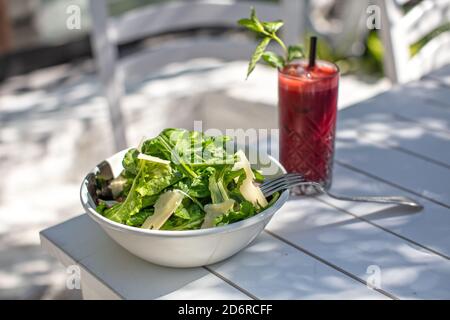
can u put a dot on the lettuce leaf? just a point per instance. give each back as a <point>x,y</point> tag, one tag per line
<point>246,210</point>
<point>188,216</point>
<point>152,178</point>
<point>130,163</point>
<point>138,219</point>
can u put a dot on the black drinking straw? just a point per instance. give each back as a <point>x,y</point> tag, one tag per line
<point>312,51</point>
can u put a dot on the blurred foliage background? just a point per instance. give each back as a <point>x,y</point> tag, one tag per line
<point>40,24</point>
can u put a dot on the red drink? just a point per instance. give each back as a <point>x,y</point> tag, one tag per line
<point>307,119</point>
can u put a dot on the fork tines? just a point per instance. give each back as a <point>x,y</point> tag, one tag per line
<point>280,183</point>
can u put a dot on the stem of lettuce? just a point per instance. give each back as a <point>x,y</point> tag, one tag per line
<point>183,166</point>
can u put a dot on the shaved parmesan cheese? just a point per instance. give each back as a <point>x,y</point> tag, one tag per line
<point>166,204</point>
<point>215,210</point>
<point>249,191</point>
<point>152,159</point>
<point>116,185</point>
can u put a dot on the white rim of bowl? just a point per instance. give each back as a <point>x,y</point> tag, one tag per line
<point>183,233</point>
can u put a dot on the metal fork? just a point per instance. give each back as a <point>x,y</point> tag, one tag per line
<point>290,180</point>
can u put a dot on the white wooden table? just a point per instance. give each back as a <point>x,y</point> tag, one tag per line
<point>318,248</point>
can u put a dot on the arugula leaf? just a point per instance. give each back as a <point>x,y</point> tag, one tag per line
<point>175,158</point>
<point>273,59</point>
<point>258,176</point>
<point>197,187</point>
<point>182,213</point>
<point>246,210</point>
<point>115,214</point>
<point>148,201</point>
<point>215,151</point>
<point>189,150</point>
<point>164,147</point>
<point>138,219</point>
<point>295,52</point>
<point>102,207</point>
<point>274,199</point>
<point>182,221</point>
<point>257,54</point>
<point>153,147</point>
<point>231,175</point>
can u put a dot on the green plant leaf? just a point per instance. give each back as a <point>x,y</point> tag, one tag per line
<point>267,31</point>
<point>255,20</point>
<point>295,52</point>
<point>257,54</point>
<point>273,59</point>
<point>272,26</point>
<point>249,24</point>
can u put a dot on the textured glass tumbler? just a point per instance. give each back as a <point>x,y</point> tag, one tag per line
<point>307,119</point>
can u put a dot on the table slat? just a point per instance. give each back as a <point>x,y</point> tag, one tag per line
<point>390,130</point>
<point>429,227</point>
<point>135,278</point>
<point>412,173</point>
<point>425,102</point>
<point>407,271</point>
<point>271,269</point>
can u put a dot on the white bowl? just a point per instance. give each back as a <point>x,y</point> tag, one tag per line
<point>190,248</point>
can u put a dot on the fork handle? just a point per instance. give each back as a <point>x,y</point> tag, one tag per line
<point>377,199</point>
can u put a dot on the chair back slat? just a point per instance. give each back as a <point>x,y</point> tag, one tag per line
<point>399,31</point>
<point>435,54</point>
<point>106,54</point>
<point>424,18</point>
<point>396,53</point>
<point>175,16</point>
<point>139,66</point>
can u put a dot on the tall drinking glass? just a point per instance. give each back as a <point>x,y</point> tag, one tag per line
<point>307,119</point>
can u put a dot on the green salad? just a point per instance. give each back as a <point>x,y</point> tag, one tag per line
<point>182,180</point>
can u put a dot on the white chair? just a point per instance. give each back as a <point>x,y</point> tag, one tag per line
<point>399,31</point>
<point>110,32</point>
<point>341,22</point>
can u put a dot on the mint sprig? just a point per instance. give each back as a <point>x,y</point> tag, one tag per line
<point>267,30</point>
